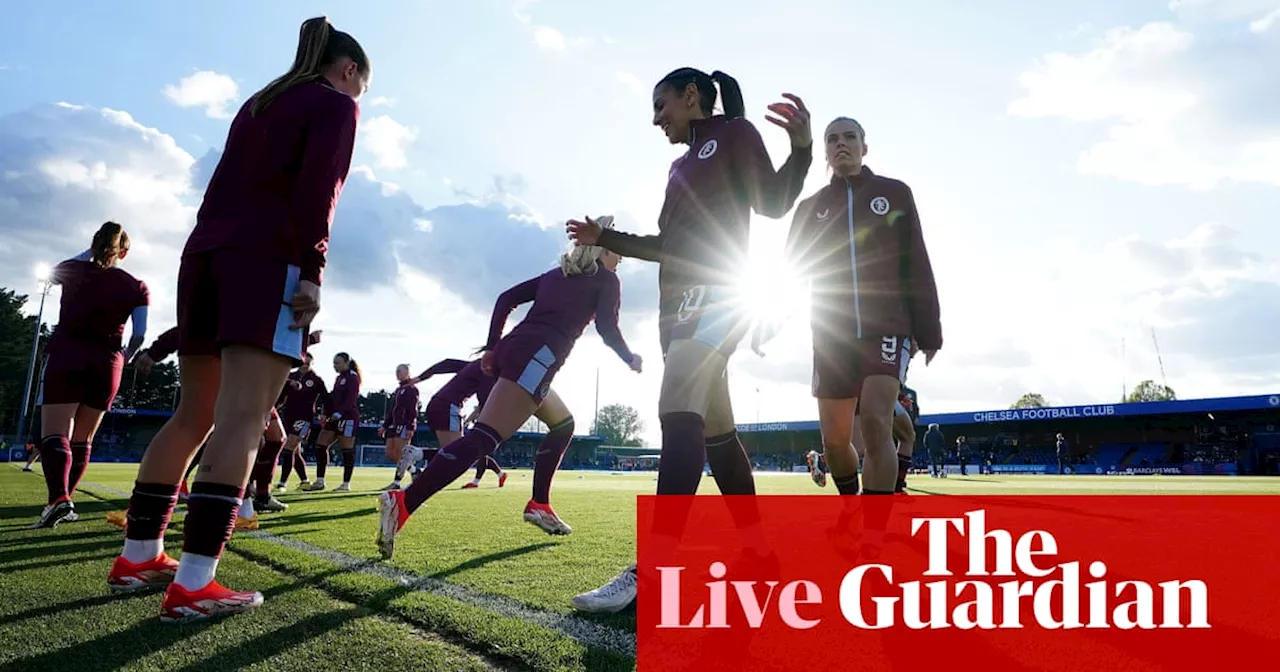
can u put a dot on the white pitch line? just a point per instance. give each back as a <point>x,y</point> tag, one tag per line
<point>579,629</point>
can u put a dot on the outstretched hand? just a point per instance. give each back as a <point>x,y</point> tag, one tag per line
<point>584,233</point>
<point>793,117</point>
<point>637,364</point>
<point>487,362</point>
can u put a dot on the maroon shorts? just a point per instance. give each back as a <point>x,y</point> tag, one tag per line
<point>444,415</point>
<point>228,297</point>
<point>299,427</point>
<point>710,314</point>
<point>399,432</point>
<point>346,427</point>
<point>75,373</point>
<point>528,361</point>
<point>838,370</point>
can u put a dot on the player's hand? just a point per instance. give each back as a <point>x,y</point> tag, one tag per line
<point>928,356</point>
<point>382,433</point>
<point>764,331</point>
<point>315,336</point>
<point>487,362</point>
<point>144,362</point>
<point>305,304</point>
<point>584,233</point>
<point>637,364</point>
<point>793,117</point>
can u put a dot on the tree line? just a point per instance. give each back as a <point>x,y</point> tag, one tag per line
<point>1147,390</point>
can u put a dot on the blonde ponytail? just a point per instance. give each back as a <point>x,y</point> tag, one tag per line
<point>580,259</point>
<point>313,39</point>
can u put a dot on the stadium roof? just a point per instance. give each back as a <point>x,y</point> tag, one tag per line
<point>1217,404</point>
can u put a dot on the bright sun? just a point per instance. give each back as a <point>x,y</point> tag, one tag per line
<point>771,293</point>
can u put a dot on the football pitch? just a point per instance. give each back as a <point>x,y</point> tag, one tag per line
<point>472,586</point>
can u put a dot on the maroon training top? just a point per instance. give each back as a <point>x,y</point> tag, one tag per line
<point>704,226</point>
<point>96,304</point>
<point>279,179</point>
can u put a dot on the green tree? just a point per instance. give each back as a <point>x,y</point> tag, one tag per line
<point>620,425</point>
<point>157,390</point>
<point>1030,400</point>
<point>16,331</point>
<point>374,405</point>
<point>1149,390</point>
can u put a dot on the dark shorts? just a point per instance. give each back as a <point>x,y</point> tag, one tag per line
<point>444,415</point>
<point>80,374</point>
<point>713,315</point>
<point>399,432</point>
<point>228,297</point>
<point>346,427</point>
<point>528,361</point>
<point>299,427</point>
<point>838,370</point>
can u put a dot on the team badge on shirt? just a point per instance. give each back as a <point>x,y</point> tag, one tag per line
<point>310,383</point>
<point>880,205</point>
<point>708,149</point>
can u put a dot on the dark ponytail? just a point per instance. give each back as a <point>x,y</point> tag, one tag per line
<point>351,365</point>
<point>730,95</point>
<point>319,45</point>
<point>730,92</point>
<point>109,244</point>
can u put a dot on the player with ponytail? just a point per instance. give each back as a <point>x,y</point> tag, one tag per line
<point>248,290</point>
<point>701,246</point>
<point>85,361</point>
<point>342,424</point>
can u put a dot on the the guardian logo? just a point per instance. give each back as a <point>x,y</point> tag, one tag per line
<point>1039,591</point>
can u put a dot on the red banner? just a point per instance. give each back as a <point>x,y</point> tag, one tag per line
<point>992,583</point>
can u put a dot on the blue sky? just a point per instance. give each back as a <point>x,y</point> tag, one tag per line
<point>1085,170</point>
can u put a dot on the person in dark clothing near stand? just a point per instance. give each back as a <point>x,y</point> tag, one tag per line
<point>1064,453</point>
<point>962,455</point>
<point>936,445</point>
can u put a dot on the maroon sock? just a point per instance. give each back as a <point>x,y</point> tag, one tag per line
<point>264,467</point>
<point>348,464</point>
<point>299,465</point>
<point>847,485</point>
<point>322,460</point>
<point>547,460</point>
<point>730,465</point>
<point>451,462</point>
<point>150,508</point>
<point>684,453</point>
<point>211,517</point>
<point>904,464</point>
<point>56,453</point>
<point>80,452</point>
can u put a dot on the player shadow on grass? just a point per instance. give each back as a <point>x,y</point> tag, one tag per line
<point>55,551</point>
<point>483,560</point>
<point>293,519</point>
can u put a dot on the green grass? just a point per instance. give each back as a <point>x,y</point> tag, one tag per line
<point>343,612</point>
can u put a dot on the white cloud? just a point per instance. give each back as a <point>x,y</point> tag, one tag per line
<point>544,36</point>
<point>381,101</point>
<point>630,81</point>
<point>1177,109</point>
<point>211,90</point>
<point>1265,23</point>
<point>548,38</point>
<point>388,140</point>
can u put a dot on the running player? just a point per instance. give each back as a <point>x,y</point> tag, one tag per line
<point>565,300</point>
<point>342,425</point>
<point>298,405</point>
<point>400,422</point>
<point>248,289</point>
<point>82,372</point>
<point>704,228</point>
<point>874,304</point>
